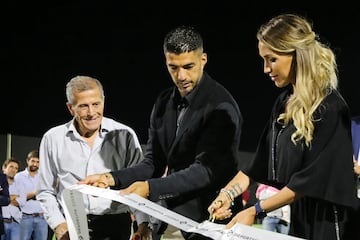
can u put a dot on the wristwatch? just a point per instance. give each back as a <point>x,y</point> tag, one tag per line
<point>260,213</point>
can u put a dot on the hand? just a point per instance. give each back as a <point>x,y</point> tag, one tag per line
<point>62,232</point>
<point>99,180</point>
<point>143,233</point>
<point>220,207</point>
<point>356,167</point>
<point>246,217</point>
<point>13,200</point>
<point>13,196</point>
<point>31,195</point>
<point>139,188</point>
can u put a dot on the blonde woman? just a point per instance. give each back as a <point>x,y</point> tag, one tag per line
<point>305,150</point>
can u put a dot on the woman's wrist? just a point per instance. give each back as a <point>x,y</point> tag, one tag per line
<point>232,191</point>
<point>230,195</point>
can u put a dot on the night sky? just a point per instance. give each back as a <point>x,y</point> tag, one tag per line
<point>120,43</point>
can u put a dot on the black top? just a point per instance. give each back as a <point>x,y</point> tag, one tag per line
<point>4,197</point>
<point>323,173</point>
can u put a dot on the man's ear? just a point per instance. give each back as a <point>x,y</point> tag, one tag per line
<point>69,107</point>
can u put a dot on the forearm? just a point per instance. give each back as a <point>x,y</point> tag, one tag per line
<point>139,172</point>
<point>51,207</point>
<point>237,185</point>
<point>284,197</point>
<point>139,216</point>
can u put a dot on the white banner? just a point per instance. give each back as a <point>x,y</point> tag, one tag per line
<point>78,229</point>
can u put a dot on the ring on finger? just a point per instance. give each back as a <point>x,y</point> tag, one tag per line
<point>219,203</point>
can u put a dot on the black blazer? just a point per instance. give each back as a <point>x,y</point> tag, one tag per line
<point>201,159</point>
<point>4,198</point>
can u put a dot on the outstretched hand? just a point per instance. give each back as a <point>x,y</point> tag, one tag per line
<point>220,208</point>
<point>99,180</point>
<point>246,217</point>
<point>139,188</point>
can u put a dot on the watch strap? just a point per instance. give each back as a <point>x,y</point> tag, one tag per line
<point>260,213</point>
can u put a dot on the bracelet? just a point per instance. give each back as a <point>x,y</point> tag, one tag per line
<point>230,194</point>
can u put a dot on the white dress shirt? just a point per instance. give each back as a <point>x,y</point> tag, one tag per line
<point>66,157</point>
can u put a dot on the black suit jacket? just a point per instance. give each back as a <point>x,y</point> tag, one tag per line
<point>4,198</point>
<point>201,159</point>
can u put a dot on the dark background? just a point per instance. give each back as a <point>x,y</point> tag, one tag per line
<point>43,45</point>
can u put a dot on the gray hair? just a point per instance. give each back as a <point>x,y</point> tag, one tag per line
<point>80,84</point>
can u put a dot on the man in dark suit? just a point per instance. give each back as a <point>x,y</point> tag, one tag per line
<point>4,198</point>
<point>194,136</point>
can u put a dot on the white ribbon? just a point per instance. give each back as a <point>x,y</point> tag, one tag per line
<point>74,210</point>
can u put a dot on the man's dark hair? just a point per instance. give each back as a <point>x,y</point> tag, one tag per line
<point>32,154</point>
<point>182,39</point>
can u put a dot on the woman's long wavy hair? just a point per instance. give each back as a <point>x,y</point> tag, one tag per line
<point>314,68</point>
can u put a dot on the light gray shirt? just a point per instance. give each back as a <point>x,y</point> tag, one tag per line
<point>67,158</point>
<point>28,184</point>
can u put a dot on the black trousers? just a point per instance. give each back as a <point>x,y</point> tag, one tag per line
<point>109,226</point>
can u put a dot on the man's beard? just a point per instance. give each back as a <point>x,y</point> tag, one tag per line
<point>33,169</point>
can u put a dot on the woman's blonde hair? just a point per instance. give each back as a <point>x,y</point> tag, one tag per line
<point>314,68</point>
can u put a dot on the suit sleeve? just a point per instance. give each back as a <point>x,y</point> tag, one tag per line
<point>213,160</point>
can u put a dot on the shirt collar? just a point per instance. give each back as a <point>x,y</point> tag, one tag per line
<point>104,127</point>
<point>188,98</point>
